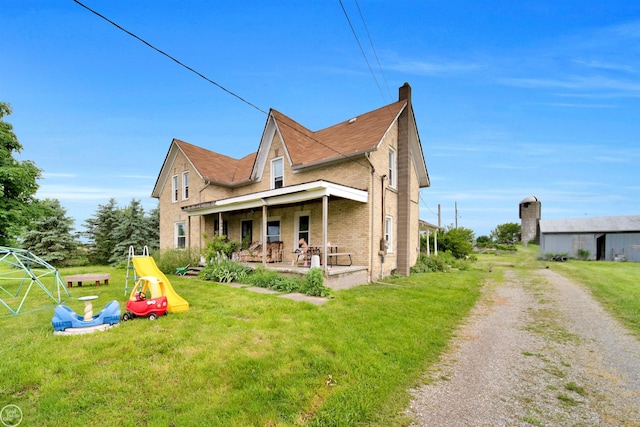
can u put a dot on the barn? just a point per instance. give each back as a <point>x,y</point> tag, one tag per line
<point>610,238</point>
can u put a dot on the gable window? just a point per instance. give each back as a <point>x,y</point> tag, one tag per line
<point>273,231</point>
<point>185,185</point>
<point>388,233</point>
<point>174,188</point>
<point>277,173</point>
<point>393,168</point>
<point>180,235</point>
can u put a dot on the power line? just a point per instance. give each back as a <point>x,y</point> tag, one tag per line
<point>169,56</point>
<point>346,15</point>
<point>373,49</point>
<point>211,81</point>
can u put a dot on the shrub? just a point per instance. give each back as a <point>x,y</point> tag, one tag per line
<point>226,271</point>
<point>170,259</point>
<point>583,254</point>
<point>270,279</point>
<point>218,245</point>
<point>426,264</point>
<point>313,283</point>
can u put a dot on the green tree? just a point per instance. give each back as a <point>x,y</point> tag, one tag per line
<point>507,233</point>
<point>99,232</point>
<point>50,234</point>
<point>133,229</point>
<point>18,183</point>
<point>458,241</point>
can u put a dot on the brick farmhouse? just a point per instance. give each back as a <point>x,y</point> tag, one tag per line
<point>354,187</point>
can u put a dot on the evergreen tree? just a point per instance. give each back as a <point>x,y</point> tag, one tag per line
<point>17,183</point>
<point>99,232</point>
<point>133,229</point>
<point>154,226</point>
<point>50,234</point>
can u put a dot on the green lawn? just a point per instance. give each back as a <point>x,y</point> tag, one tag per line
<point>615,284</point>
<point>237,358</point>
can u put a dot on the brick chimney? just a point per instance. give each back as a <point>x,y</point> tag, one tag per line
<point>403,221</point>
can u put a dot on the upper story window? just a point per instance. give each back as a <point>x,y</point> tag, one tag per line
<point>277,173</point>
<point>174,188</point>
<point>185,185</point>
<point>393,168</point>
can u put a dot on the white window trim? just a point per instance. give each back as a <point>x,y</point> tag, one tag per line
<point>389,233</point>
<point>296,226</point>
<point>393,168</point>
<point>185,185</point>
<point>273,176</point>
<point>174,188</point>
<point>176,235</point>
<point>271,219</point>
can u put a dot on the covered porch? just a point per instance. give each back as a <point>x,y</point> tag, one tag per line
<point>325,214</point>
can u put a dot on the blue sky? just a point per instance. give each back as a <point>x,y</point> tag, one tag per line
<point>511,98</point>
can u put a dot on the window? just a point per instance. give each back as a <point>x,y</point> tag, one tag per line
<point>388,233</point>
<point>273,231</point>
<point>180,239</point>
<point>246,233</point>
<point>277,173</point>
<point>174,188</point>
<point>393,168</point>
<point>225,227</point>
<point>302,228</point>
<point>185,185</point>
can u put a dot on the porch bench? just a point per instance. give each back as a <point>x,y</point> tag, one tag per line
<point>335,255</point>
<point>89,277</point>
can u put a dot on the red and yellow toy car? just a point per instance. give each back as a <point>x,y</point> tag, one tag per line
<point>146,300</point>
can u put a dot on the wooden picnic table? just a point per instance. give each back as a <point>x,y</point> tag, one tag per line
<point>88,277</point>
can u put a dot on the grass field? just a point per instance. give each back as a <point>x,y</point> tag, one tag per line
<point>615,284</point>
<point>237,358</point>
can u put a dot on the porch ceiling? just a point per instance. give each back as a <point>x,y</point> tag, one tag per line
<point>280,196</point>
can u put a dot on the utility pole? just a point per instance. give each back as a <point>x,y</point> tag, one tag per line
<point>439,225</point>
<point>456,214</point>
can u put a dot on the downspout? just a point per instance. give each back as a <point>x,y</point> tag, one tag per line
<point>372,226</point>
<point>383,246</point>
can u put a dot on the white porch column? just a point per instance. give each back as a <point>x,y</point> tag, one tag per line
<point>435,242</point>
<point>428,248</point>
<point>264,235</point>
<point>220,228</point>
<point>325,222</point>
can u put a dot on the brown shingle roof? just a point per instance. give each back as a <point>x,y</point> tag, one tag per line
<point>341,140</point>
<point>305,147</point>
<point>217,167</point>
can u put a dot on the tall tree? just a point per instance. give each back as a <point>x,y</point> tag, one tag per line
<point>18,183</point>
<point>99,231</point>
<point>134,229</point>
<point>50,234</point>
<point>508,233</point>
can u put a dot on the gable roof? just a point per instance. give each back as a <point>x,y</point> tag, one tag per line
<point>357,135</point>
<point>210,166</point>
<point>304,148</point>
<point>603,224</point>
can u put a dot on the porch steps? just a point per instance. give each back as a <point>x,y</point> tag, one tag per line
<point>193,271</point>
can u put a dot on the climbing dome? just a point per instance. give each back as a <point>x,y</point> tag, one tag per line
<point>22,272</point>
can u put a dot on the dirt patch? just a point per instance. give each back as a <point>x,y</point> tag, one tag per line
<point>537,350</point>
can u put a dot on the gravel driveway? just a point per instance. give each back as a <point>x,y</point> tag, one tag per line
<point>537,350</point>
